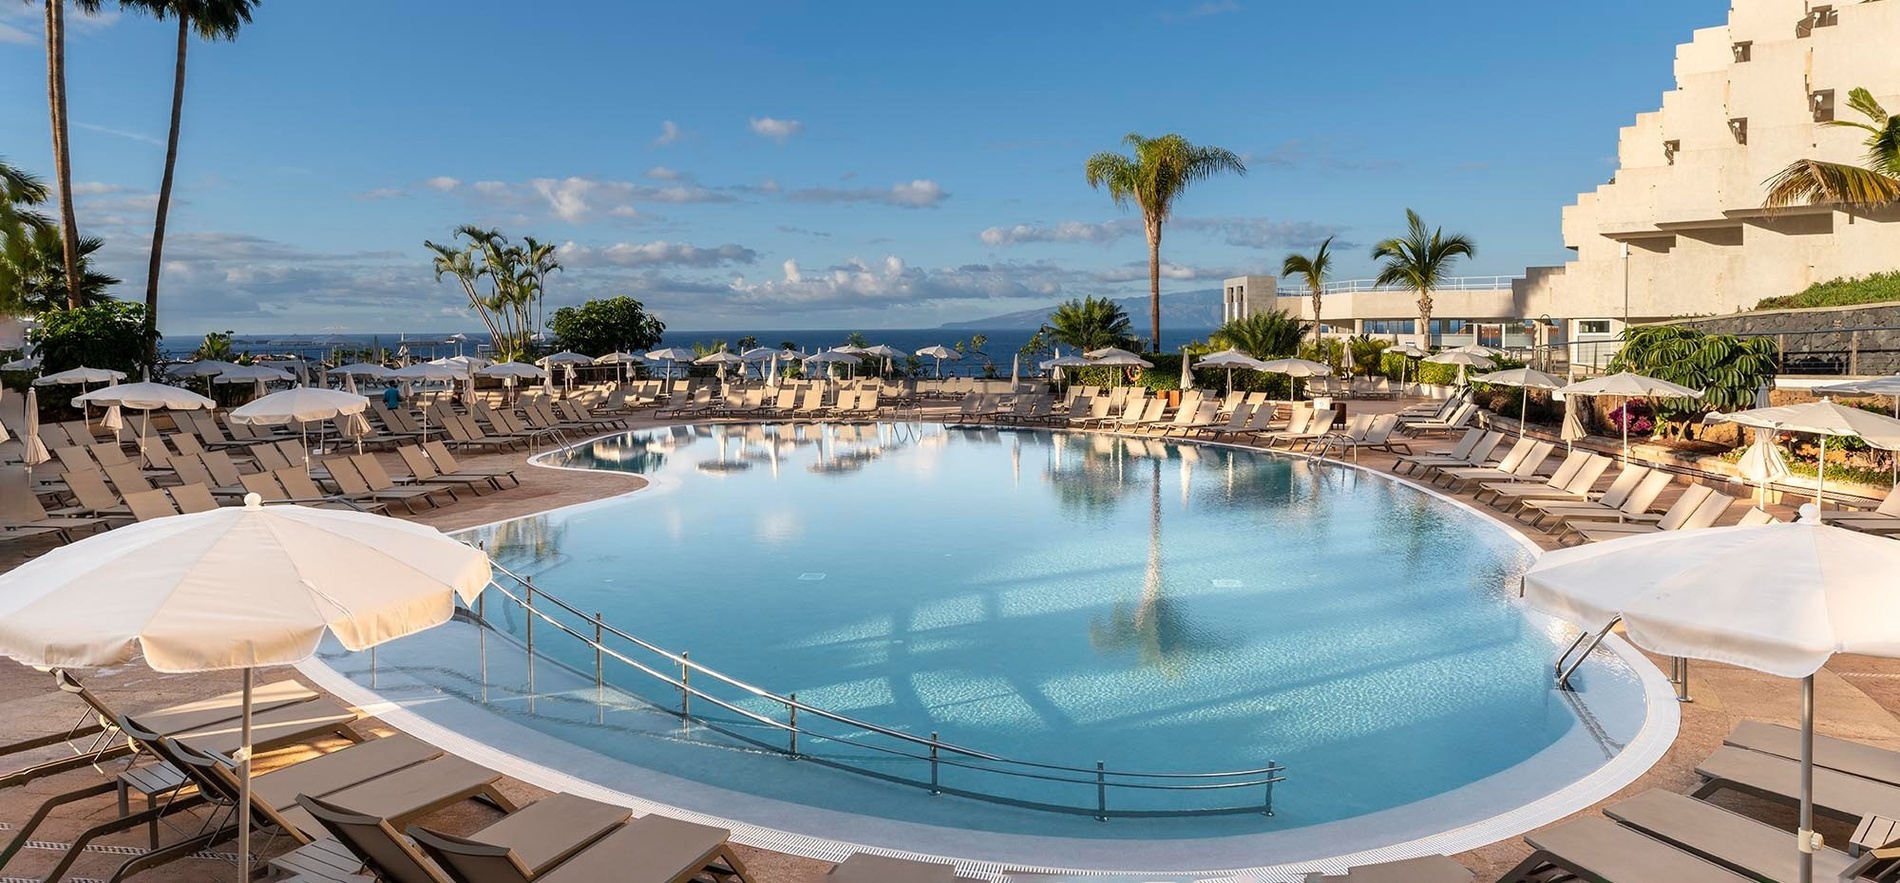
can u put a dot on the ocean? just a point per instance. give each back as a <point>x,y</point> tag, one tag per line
<point>1002,343</point>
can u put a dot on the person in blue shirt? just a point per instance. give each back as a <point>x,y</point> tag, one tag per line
<point>392,397</point>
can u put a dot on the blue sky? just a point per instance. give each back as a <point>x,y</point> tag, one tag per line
<point>820,165</point>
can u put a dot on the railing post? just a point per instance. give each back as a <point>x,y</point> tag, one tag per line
<point>933,765</point>
<point>1268,809</point>
<point>686,691</point>
<point>794,708</point>
<point>527,604</point>
<point>1101,793</point>
<point>600,677</point>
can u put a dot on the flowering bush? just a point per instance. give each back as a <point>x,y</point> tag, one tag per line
<point>1634,416</point>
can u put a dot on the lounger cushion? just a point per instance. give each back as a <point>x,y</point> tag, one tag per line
<point>187,716</point>
<point>862,868</point>
<point>340,769</point>
<point>553,829</point>
<point>1854,758</point>
<point>1731,840</point>
<point>406,792</point>
<point>275,728</point>
<point>1601,850</point>
<point>1836,794</point>
<point>649,849</point>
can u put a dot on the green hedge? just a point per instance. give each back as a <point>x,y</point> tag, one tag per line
<point>1873,289</point>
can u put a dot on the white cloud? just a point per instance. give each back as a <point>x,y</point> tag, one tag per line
<point>490,188</point>
<point>921,193</point>
<point>381,193</point>
<point>1067,231</point>
<point>1201,10</point>
<point>11,34</point>
<point>670,133</point>
<point>1243,232</point>
<point>443,183</point>
<point>890,282</point>
<point>777,130</point>
<point>656,254</point>
<point>140,137</point>
<point>99,188</point>
<point>662,173</point>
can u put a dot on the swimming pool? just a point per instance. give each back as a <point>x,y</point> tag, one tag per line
<point>1058,599</point>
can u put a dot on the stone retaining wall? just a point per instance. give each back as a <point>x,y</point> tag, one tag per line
<point>1825,340</point>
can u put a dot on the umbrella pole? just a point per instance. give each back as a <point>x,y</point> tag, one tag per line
<point>1820,474</point>
<point>244,784</point>
<point>1523,413</point>
<point>1806,835</point>
<point>1624,403</point>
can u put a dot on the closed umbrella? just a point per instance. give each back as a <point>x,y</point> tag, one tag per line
<point>36,452</point>
<point>1525,378</point>
<point>1778,598</point>
<point>1573,422</point>
<point>146,397</point>
<point>1015,370</point>
<point>940,353</point>
<point>1763,463</point>
<point>1187,372</point>
<point>1625,386</point>
<point>235,587</point>
<point>1823,418</point>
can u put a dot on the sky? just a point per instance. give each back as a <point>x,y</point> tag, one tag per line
<point>788,165</point>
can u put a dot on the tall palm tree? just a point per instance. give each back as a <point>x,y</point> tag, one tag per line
<point>1420,260</point>
<point>62,157</point>
<point>1313,270</point>
<point>1091,323</point>
<point>210,20</point>
<point>540,261</point>
<point>1153,177</point>
<point>1810,181</point>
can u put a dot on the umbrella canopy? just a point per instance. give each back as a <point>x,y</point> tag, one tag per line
<point>1627,385</point>
<point>939,352</point>
<point>719,358</point>
<point>883,351</point>
<point>1295,368</point>
<point>201,368</point>
<point>849,350</point>
<point>147,396</point>
<point>565,357</point>
<point>1822,418</point>
<point>1477,350</point>
<point>30,363</point>
<point>512,369</point>
<point>80,375</point>
<point>425,371</point>
<point>1229,358</point>
<point>1118,357</point>
<point>759,354</point>
<point>1779,598</point>
<point>1108,352</point>
<point>615,359</point>
<point>361,369</point>
<point>1463,360</point>
<point>235,587</point>
<point>1409,350</point>
<point>252,374</point>
<point>463,361</point>
<point>830,357</point>
<point>304,404</point>
<point>1066,362</point>
<point>672,354</point>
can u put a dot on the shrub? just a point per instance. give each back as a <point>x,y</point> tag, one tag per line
<point>1871,289</point>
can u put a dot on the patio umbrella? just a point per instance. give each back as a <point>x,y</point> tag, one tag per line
<point>1061,361</point>
<point>235,587</point>
<point>1822,418</point>
<point>1187,372</point>
<point>512,369</point>
<point>886,353</point>
<point>29,363</point>
<point>620,360</point>
<point>671,355</point>
<point>940,353</point>
<point>1015,370</point>
<point>1625,386</point>
<point>1295,368</point>
<point>206,368</point>
<point>36,452</point>
<point>1410,351</point>
<point>1763,463</point>
<point>720,359</point>
<point>1230,359</point>
<point>461,361</point>
<point>1573,422</point>
<point>771,369</point>
<point>1874,386</point>
<point>1463,360</point>
<point>301,405</point>
<point>146,397</point>
<point>80,376</point>
<point>1525,378</point>
<point>1778,598</point>
<point>1477,350</point>
<point>564,357</point>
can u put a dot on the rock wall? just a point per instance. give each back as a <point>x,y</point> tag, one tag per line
<point>1826,340</point>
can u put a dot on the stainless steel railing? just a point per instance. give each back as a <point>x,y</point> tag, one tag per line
<point>677,672</point>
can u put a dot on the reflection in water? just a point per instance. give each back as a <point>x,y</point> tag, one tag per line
<point>1155,627</point>
<point>524,543</point>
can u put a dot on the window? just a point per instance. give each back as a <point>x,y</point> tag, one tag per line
<point>1389,326</point>
<point>1670,149</point>
<point>1593,326</point>
<point>1822,102</point>
<point>1818,17</point>
<point>1448,326</point>
<point>1739,128</point>
<point>1744,51</point>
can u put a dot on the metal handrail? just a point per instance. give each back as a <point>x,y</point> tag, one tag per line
<point>1452,283</point>
<point>1099,775</point>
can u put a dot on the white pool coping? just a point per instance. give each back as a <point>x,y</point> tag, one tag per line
<point>1661,724</point>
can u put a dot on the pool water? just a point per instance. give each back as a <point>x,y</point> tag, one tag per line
<point>1056,598</point>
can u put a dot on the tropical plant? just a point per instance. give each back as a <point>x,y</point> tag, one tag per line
<point>216,347</point>
<point>1872,288</point>
<point>1091,323</point>
<point>515,278</point>
<point>857,339</point>
<point>1368,354</point>
<point>1311,269</point>
<point>1159,170</point>
<point>20,192</point>
<point>606,325</point>
<point>1420,260</point>
<point>977,341</point>
<point>62,136</point>
<point>33,274</point>
<point>1729,370</point>
<point>788,345</point>
<point>1269,334</point>
<point>210,20</point>
<point>111,335</point>
<point>744,343</point>
<point>1808,181</point>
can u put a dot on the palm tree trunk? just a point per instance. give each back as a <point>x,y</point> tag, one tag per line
<point>1316,296</point>
<point>1154,282</point>
<point>1424,317</point>
<point>165,182</point>
<point>62,156</point>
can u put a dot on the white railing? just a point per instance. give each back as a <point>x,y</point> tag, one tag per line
<point>1454,283</point>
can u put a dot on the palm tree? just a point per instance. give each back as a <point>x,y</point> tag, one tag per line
<point>20,191</point>
<point>1814,181</point>
<point>33,274</point>
<point>211,20</point>
<point>62,156</point>
<point>1420,260</point>
<point>1270,334</point>
<point>1160,169</point>
<point>1313,270</point>
<point>1091,324</point>
<point>540,261</point>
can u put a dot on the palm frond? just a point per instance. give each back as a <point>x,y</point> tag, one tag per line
<point>1813,181</point>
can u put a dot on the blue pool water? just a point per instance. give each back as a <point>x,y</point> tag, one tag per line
<point>1063,599</point>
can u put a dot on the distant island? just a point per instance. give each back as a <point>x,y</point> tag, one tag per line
<point>1181,309</point>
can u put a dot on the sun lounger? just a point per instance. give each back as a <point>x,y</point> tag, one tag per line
<point>1378,437</point>
<point>447,465</point>
<point>1853,758</point>
<point>649,848</point>
<point>1523,469</point>
<point>423,472</point>
<point>1620,501</point>
<point>539,836</point>
<point>1424,869</point>
<point>1714,834</point>
<point>1836,794</point>
<point>1601,851</point>
<point>1474,449</point>
<point>1703,513</point>
<point>1573,480</point>
<point>352,484</point>
<point>1459,417</point>
<point>1296,427</point>
<point>862,868</point>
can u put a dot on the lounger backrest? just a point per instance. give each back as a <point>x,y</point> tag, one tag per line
<point>373,840</point>
<point>1382,429</point>
<point>1567,470</point>
<point>414,460</point>
<point>1486,447</point>
<point>1757,516</point>
<point>1462,416</point>
<point>107,453</point>
<point>89,487</point>
<point>1539,453</point>
<point>468,861</point>
<point>1466,442</point>
<point>1153,410</point>
<point>1685,506</point>
<point>373,471</point>
<point>1890,505</point>
<point>1357,427</point>
<point>344,475</point>
<point>442,457</point>
<point>75,459</point>
<point>1626,481</point>
<point>1706,514</point>
<point>128,478</point>
<point>265,486</point>
<point>1515,457</point>
<point>17,501</point>
<point>268,457</point>
<point>147,505</point>
<point>193,498</point>
<point>1242,413</point>
<point>1646,493</point>
<point>1301,419</point>
<point>222,470</point>
<point>186,443</point>
<point>299,484</point>
<point>191,470</point>
<point>1586,477</point>
<point>152,449</point>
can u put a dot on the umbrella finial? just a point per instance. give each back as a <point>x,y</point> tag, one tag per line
<point>253,502</point>
<point>1808,514</point>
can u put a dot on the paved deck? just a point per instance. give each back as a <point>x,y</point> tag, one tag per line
<point>1857,698</point>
